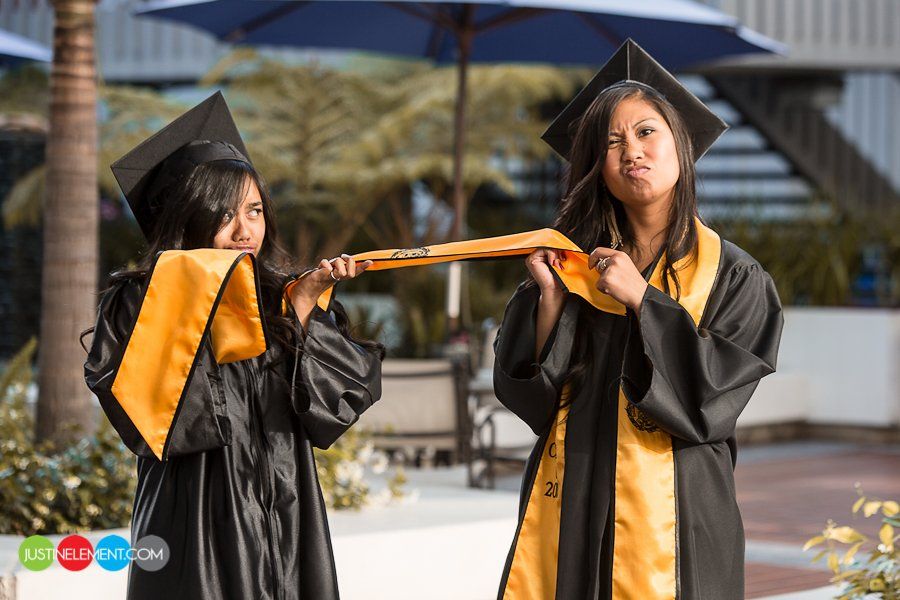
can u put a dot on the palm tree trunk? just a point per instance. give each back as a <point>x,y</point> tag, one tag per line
<point>69,277</point>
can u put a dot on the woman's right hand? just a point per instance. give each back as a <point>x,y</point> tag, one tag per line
<point>307,290</point>
<point>539,264</point>
<point>329,272</point>
<point>550,304</point>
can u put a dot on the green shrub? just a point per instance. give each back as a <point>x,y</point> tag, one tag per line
<point>820,260</point>
<point>87,486</point>
<point>342,469</point>
<point>876,575</point>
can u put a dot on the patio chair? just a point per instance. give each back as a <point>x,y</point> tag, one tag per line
<point>423,409</point>
<point>498,436</point>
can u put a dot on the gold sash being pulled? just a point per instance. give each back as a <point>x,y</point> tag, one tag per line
<point>575,274</point>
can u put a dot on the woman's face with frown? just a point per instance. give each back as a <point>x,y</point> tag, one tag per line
<point>641,166</point>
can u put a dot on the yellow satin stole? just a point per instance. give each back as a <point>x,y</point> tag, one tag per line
<point>644,551</point>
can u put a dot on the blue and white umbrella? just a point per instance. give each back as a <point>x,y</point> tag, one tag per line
<point>678,33</point>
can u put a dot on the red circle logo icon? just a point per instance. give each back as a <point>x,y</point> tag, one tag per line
<point>74,553</point>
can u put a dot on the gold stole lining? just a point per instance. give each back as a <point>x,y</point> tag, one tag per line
<point>644,552</point>
<point>179,301</point>
<point>532,575</point>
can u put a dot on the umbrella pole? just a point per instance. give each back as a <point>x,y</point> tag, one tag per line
<point>464,35</point>
<point>459,129</point>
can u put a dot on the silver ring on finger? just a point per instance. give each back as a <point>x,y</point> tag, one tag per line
<point>333,277</point>
<point>602,264</point>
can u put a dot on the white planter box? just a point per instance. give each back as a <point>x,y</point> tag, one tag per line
<point>449,544</point>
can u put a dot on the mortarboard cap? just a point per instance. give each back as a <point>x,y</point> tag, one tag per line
<point>631,63</point>
<point>205,133</point>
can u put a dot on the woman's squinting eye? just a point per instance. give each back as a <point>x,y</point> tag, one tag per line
<point>255,212</point>
<point>646,130</point>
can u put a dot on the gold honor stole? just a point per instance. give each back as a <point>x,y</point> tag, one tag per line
<point>644,548</point>
<point>575,273</point>
<point>644,553</point>
<point>190,292</point>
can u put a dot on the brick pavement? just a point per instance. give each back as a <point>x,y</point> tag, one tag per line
<point>788,500</point>
<point>762,580</point>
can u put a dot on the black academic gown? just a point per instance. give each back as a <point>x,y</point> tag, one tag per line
<point>692,382</point>
<point>238,501</point>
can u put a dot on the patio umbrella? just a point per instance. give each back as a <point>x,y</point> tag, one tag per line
<point>679,33</point>
<point>15,49</point>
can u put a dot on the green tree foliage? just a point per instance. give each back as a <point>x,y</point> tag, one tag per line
<point>25,91</point>
<point>337,146</point>
<point>130,115</point>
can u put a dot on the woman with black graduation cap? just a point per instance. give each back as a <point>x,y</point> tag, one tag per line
<point>219,384</point>
<point>629,492</point>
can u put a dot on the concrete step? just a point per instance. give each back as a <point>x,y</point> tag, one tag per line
<point>748,164</point>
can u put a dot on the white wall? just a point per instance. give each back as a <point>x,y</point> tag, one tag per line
<point>835,366</point>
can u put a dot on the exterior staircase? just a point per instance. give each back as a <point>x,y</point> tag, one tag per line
<point>743,174</point>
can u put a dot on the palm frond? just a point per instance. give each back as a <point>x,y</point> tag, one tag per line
<point>24,202</point>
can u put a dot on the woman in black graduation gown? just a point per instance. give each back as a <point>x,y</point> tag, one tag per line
<point>629,492</point>
<point>237,498</point>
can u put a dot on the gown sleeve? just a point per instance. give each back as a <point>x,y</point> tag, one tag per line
<point>694,382</point>
<point>201,423</point>
<point>334,380</point>
<point>528,388</point>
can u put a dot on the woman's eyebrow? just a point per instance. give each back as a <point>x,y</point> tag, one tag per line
<point>636,124</point>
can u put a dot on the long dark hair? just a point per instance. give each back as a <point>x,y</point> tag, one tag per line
<point>193,214</point>
<point>587,197</point>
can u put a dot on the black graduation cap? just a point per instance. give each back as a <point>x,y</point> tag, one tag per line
<point>631,63</point>
<point>205,133</point>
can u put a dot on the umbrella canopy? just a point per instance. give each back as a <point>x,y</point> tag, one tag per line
<point>15,49</point>
<point>679,33</point>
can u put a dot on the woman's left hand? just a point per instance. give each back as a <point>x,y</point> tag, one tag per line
<point>619,277</point>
